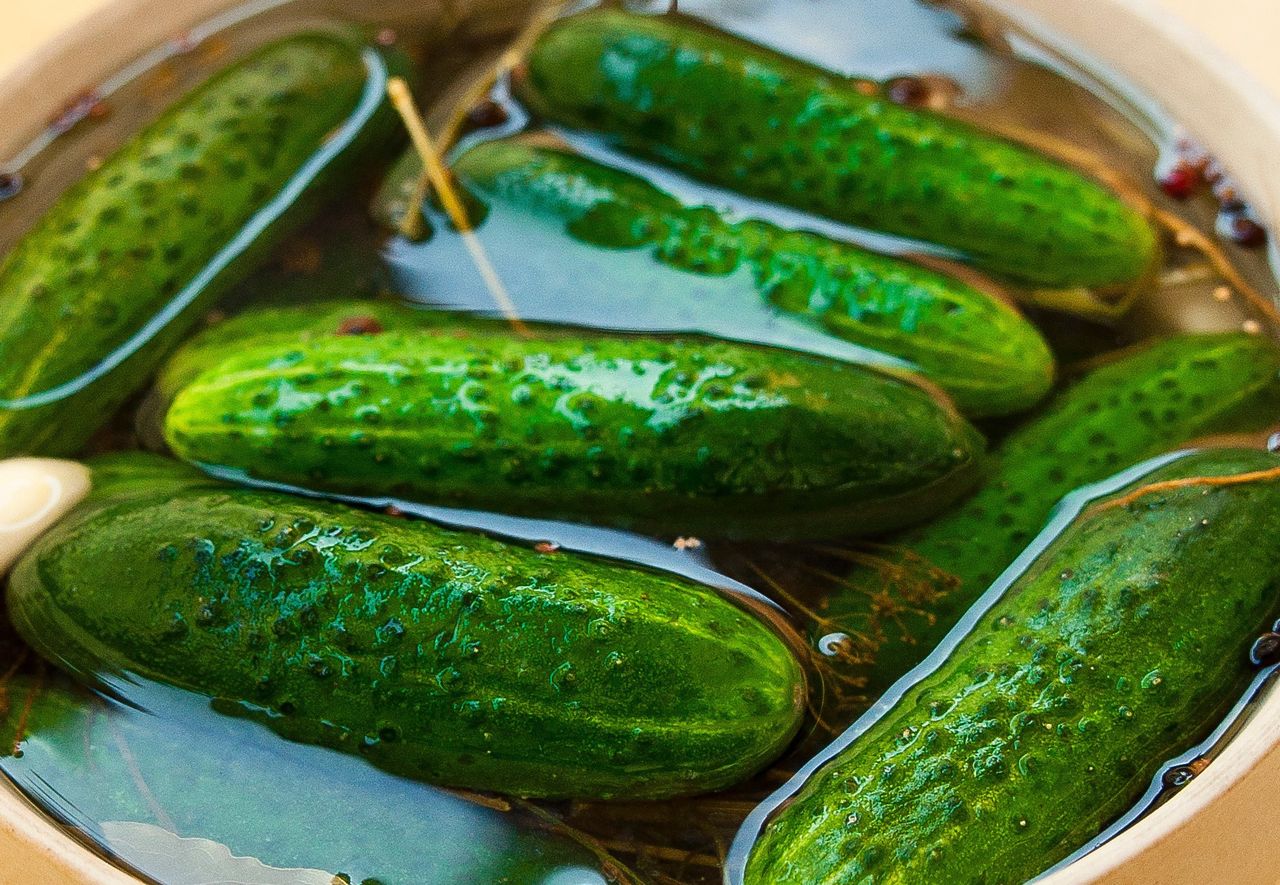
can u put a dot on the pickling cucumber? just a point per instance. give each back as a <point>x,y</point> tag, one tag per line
<point>1122,646</point>
<point>662,434</point>
<point>112,276</point>
<point>747,118</point>
<point>439,655</point>
<point>1149,401</point>
<point>977,348</point>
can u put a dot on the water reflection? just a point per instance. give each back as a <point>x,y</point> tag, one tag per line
<point>185,795</point>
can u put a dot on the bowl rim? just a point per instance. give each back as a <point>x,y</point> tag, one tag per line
<point>1200,816</point>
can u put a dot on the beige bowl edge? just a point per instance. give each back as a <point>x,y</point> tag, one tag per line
<point>1220,827</point>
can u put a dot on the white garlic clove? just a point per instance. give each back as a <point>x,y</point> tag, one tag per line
<point>34,494</point>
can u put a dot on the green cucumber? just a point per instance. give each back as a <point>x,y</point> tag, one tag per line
<point>978,349</point>
<point>660,434</point>
<point>1149,401</point>
<point>286,327</point>
<point>744,117</point>
<point>114,274</point>
<point>1123,645</point>
<point>57,740</point>
<point>439,655</point>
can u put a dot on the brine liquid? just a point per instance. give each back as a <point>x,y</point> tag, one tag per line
<point>172,788</point>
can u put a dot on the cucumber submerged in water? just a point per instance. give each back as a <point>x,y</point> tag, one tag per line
<point>438,655</point>
<point>1148,401</point>
<point>114,274</point>
<point>662,434</point>
<point>978,349</point>
<point>1123,645</point>
<point>737,115</point>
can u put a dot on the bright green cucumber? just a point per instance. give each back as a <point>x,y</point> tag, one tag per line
<point>977,348</point>
<point>115,272</point>
<point>744,117</point>
<point>439,655</point>
<point>1147,402</point>
<point>1124,645</point>
<point>219,779</point>
<point>667,435</point>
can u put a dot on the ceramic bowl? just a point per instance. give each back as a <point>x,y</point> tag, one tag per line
<point>1219,828</point>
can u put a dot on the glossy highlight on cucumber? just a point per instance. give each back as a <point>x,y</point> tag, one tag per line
<point>668,435</point>
<point>439,655</point>
<point>979,350</point>
<point>1151,400</point>
<point>1123,645</point>
<point>740,116</point>
<point>113,275</point>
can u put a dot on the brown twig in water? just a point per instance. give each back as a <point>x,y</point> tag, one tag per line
<point>1189,237</point>
<point>491,802</point>
<point>1170,485</point>
<point>1202,272</point>
<point>135,774</point>
<point>403,101</point>
<point>451,131</point>
<point>20,728</point>
<point>599,849</point>
<point>789,598</point>
<point>7,676</point>
<point>663,852</point>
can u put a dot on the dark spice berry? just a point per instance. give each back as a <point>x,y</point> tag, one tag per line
<point>1242,230</point>
<point>907,90</point>
<point>360,325</point>
<point>487,114</point>
<point>1180,181</point>
<point>931,91</point>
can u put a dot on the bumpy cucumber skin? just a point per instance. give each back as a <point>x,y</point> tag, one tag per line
<point>1123,646</point>
<point>439,655</point>
<point>979,350</point>
<point>667,435</point>
<point>1150,401</point>
<point>746,118</point>
<point>128,237</point>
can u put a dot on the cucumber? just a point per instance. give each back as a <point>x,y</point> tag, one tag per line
<point>1151,400</point>
<point>438,655</point>
<point>660,434</point>
<point>979,350</point>
<point>744,117</point>
<point>275,808</point>
<point>113,275</point>
<point>1123,645</point>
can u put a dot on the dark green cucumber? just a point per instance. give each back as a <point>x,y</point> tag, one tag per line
<point>1149,401</point>
<point>439,655</point>
<point>744,117</point>
<point>113,275</point>
<point>275,808</point>
<point>287,327</point>
<point>1122,646</point>
<point>977,348</point>
<point>667,435</point>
